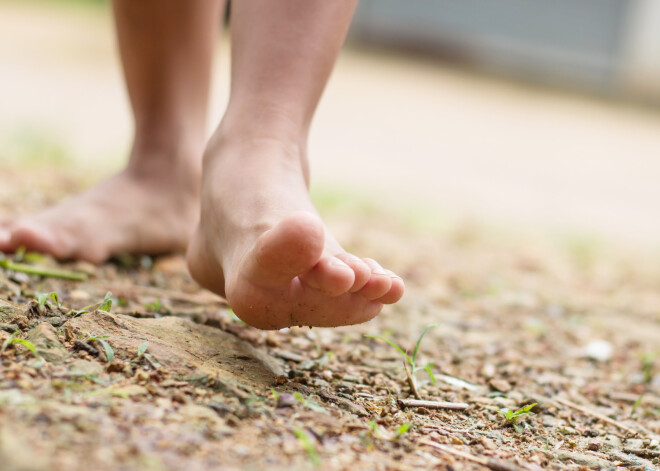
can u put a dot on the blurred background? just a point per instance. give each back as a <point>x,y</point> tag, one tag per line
<point>523,114</point>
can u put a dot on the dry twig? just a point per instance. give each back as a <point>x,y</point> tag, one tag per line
<point>411,381</point>
<point>490,463</point>
<point>595,414</point>
<point>432,404</point>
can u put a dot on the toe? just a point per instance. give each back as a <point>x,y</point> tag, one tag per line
<point>292,247</point>
<point>379,282</point>
<point>5,239</point>
<point>360,268</point>
<point>396,291</point>
<point>331,276</point>
<point>38,239</point>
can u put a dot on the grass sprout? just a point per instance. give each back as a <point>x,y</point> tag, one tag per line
<point>512,417</point>
<point>105,305</point>
<point>45,300</point>
<point>15,340</point>
<point>308,446</point>
<point>109,352</point>
<point>412,360</point>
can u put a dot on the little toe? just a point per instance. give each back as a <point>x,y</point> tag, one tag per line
<point>331,276</point>
<point>396,291</point>
<point>379,282</point>
<point>360,268</point>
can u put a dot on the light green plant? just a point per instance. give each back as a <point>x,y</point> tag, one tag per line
<point>105,305</point>
<point>142,349</point>
<point>15,340</point>
<point>46,299</point>
<point>402,430</point>
<point>109,352</point>
<point>512,417</point>
<point>308,446</point>
<point>412,360</point>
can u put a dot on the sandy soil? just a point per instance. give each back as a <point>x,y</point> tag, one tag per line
<point>181,384</point>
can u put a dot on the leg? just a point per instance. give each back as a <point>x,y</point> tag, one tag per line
<point>260,242</point>
<point>150,207</point>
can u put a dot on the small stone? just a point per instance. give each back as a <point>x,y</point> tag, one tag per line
<point>488,370</point>
<point>281,379</point>
<point>115,367</point>
<point>599,350</point>
<point>11,328</point>
<point>45,341</point>
<point>286,400</point>
<point>79,295</point>
<point>21,321</point>
<point>55,321</point>
<point>500,385</point>
<point>593,446</point>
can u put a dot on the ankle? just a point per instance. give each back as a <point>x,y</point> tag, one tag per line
<point>231,141</point>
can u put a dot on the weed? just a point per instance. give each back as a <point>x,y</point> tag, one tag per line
<point>157,306</point>
<point>648,366</point>
<point>512,417</point>
<point>105,305</point>
<point>45,300</point>
<point>412,360</point>
<point>15,340</point>
<point>402,430</point>
<point>142,348</point>
<point>309,404</point>
<point>109,352</point>
<point>307,445</point>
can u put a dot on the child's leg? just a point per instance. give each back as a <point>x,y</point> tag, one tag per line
<point>152,206</point>
<point>260,241</point>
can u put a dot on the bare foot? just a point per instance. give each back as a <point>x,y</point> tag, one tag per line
<point>132,212</point>
<point>261,244</point>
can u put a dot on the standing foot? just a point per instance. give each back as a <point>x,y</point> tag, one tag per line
<point>132,212</point>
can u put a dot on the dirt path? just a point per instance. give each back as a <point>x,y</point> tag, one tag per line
<point>190,387</point>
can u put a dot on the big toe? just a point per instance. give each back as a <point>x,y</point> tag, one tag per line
<point>331,276</point>
<point>5,239</point>
<point>36,238</point>
<point>292,247</point>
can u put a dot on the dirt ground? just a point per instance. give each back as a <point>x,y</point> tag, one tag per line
<point>168,379</point>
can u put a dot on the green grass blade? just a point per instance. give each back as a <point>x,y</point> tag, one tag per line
<point>142,348</point>
<point>7,342</point>
<point>109,352</point>
<point>308,446</point>
<point>43,271</point>
<point>106,304</point>
<point>393,345</point>
<point>428,369</point>
<point>419,341</point>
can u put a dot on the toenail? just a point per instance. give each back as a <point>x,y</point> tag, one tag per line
<point>338,263</point>
<point>380,271</point>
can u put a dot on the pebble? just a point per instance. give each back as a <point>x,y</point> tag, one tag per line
<point>599,350</point>
<point>500,385</point>
<point>286,400</point>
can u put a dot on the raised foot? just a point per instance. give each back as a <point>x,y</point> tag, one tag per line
<point>291,274</point>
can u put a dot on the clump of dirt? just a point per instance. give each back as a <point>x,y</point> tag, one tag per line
<point>168,378</point>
